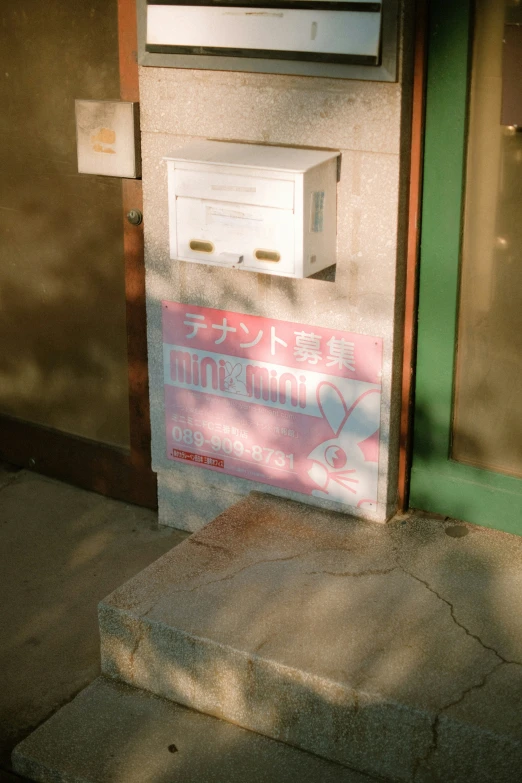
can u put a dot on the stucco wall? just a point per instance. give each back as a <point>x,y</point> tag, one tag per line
<point>368,122</point>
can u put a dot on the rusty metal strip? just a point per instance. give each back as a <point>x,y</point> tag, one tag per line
<point>133,248</point>
<point>128,50</point>
<point>412,257</point>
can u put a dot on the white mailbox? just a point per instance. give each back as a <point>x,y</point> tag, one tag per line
<point>245,206</point>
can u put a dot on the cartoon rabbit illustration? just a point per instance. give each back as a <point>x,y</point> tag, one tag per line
<point>232,382</point>
<point>340,468</point>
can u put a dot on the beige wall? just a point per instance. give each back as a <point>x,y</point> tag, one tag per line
<point>364,121</point>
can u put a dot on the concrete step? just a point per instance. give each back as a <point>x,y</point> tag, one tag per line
<point>357,642</point>
<point>112,733</point>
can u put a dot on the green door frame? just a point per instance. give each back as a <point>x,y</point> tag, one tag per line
<point>438,483</point>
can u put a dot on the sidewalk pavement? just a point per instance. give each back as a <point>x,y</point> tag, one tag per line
<point>62,550</point>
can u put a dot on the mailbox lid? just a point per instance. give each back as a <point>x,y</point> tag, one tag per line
<point>217,186</point>
<point>250,156</point>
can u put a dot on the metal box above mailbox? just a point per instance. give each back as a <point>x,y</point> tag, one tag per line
<point>311,37</point>
<point>294,29</point>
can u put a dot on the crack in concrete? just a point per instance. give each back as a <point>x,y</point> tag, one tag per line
<point>455,619</point>
<point>228,577</point>
<point>233,575</point>
<point>208,545</point>
<point>502,661</point>
<point>433,747</point>
<point>265,641</point>
<point>132,654</point>
<point>367,572</point>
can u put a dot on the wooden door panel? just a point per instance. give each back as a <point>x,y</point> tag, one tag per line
<point>74,399</point>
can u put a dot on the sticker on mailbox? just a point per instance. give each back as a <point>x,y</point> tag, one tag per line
<point>317,211</point>
<point>289,405</point>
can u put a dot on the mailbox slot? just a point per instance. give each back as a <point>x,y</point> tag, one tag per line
<point>231,228</point>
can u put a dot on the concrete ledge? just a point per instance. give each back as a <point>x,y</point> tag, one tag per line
<point>293,706</point>
<point>185,504</point>
<point>115,734</point>
<point>326,633</point>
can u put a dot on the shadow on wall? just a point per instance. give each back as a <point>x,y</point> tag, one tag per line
<point>301,301</point>
<point>477,448</point>
<point>62,317</point>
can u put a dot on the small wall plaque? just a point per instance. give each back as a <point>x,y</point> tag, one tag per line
<point>107,134</point>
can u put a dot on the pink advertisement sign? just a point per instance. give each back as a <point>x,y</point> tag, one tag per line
<point>285,404</point>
